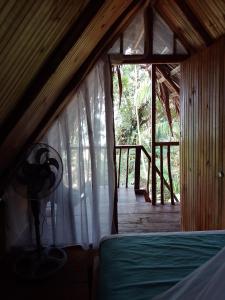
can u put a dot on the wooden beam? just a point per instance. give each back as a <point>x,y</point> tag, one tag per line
<point>175,71</point>
<point>170,175</point>
<point>167,143</point>
<point>161,177</point>
<point>119,59</point>
<point>50,66</point>
<point>194,21</point>
<point>173,93</point>
<point>168,79</point>
<point>148,22</point>
<point>153,124</point>
<point>137,168</point>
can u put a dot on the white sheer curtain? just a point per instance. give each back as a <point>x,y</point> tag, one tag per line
<point>80,211</point>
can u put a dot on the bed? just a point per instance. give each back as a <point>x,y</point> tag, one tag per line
<point>142,266</point>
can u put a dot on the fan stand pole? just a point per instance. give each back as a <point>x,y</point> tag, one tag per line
<point>35,206</point>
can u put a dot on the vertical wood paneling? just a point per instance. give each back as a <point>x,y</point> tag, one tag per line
<point>221,104</point>
<point>202,139</point>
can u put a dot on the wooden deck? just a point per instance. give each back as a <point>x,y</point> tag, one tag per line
<point>136,215</point>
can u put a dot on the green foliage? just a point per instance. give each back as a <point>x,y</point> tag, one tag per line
<point>133,123</point>
<point>135,98</point>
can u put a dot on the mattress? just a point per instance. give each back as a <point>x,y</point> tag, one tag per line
<point>139,267</point>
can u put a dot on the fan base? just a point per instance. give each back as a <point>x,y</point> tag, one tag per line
<point>37,265</point>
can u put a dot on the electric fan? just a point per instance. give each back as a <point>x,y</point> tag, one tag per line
<point>37,175</point>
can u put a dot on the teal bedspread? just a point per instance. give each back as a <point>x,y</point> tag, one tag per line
<point>143,266</point>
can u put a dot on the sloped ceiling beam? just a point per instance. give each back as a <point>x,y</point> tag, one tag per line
<point>194,21</point>
<point>66,76</point>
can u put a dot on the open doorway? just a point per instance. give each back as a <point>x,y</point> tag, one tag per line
<point>144,129</point>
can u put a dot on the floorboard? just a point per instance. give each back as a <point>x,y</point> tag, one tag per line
<point>136,216</point>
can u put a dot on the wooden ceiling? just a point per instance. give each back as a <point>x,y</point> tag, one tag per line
<point>197,23</point>
<point>30,30</point>
<point>48,46</point>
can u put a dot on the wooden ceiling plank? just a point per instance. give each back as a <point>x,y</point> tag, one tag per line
<point>5,8</point>
<point>194,21</point>
<point>28,38</point>
<point>50,66</point>
<point>15,31</point>
<point>44,45</point>
<point>40,42</point>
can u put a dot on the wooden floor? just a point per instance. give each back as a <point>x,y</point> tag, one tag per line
<point>136,215</point>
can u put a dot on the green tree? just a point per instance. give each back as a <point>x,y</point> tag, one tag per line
<point>133,120</point>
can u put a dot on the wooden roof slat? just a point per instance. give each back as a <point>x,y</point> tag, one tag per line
<point>6,7</point>
<point>194,21</point>
<point>13,22</point>
<point>10,57</point>
<point>211,14</point>
<point>48,68</point>
<point>20,51</point>
<point>42,47</point>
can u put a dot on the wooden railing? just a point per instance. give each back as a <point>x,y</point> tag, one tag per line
<point>138,150</point>
<point>167,145</point>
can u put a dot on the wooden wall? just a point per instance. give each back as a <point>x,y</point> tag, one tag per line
<point>203,139</point>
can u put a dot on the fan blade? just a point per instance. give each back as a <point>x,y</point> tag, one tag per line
<point>52,179</point>
<point>45,170</point>
<point>54,162</point>
<point>39,154</point>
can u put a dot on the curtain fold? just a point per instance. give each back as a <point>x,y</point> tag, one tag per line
<point>80,210</point>
<point>82,207</point>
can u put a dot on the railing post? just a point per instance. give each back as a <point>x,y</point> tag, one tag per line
<point>153,123</point>
<point>137,168</point>
<point>170,175</point>
<point>128,151</point>
<point>118,184</point>
<point>161,175</point>
<point>148,176</point>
